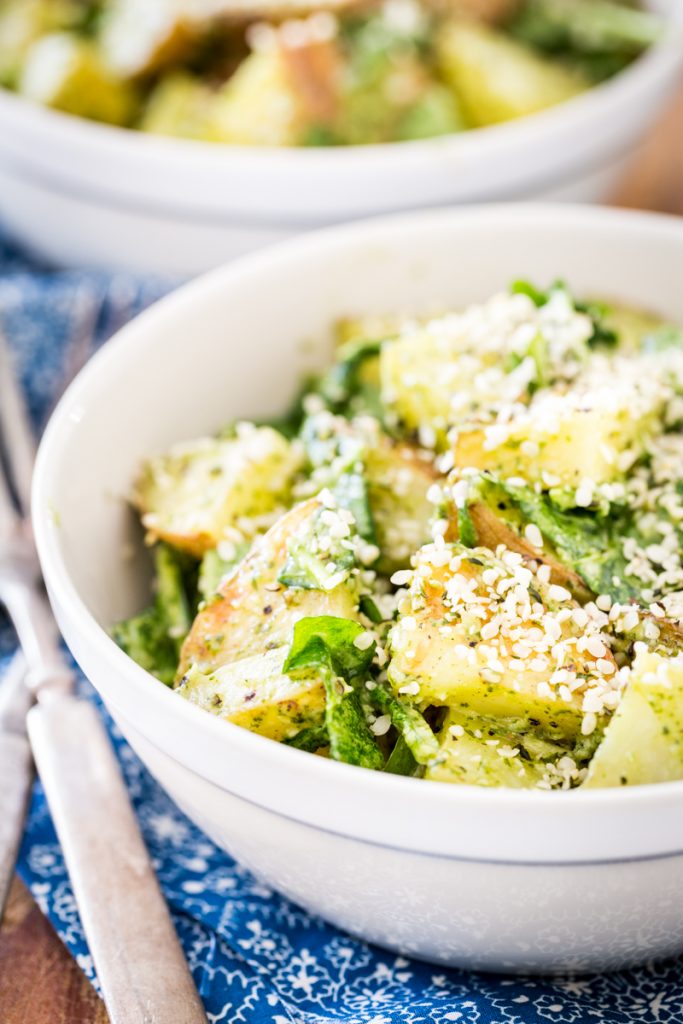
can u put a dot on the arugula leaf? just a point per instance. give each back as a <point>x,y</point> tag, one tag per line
<point>587,542</point>
<point>401,760</point>
<point>539,351</point>
<point>341,455</point>
<point>350,386</point>
<point>325,645</point>
<point>409,722</point>
<point>538,297</point>
<point>312,738</point>
<point>154,637</point>
<point>306,567</point>
<point>171,595</point>
<point>586,28</point>
<point>304,570</point>
<point>467,533</point>
<point>370,609</point>
<point>602,335</point>
<point>328,641</point>
<point>351,491</point>
<point>598,38</point>
<point>321,135</point>
<point>146,640</point>
<point>341,380</point>
<point>213,569</point>
<point>288,424</point>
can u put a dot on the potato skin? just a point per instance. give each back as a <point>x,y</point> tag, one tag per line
<point>252,612</point>
<point>492,530</point>
<point>491,11</point>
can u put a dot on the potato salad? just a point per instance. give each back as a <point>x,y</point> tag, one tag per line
<point>459,557</point>
<point>297,73</point>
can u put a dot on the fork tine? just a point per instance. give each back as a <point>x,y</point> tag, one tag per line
<point>15,430</point>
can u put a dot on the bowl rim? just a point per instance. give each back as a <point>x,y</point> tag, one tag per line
<point>519,131</point>
<point>273,756</point>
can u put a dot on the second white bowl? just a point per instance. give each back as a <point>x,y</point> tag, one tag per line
<point>80,193</point>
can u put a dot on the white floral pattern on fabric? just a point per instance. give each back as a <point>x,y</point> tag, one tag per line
<point>256,958</point>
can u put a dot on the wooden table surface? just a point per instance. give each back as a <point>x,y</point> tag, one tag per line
<point>39,981</point>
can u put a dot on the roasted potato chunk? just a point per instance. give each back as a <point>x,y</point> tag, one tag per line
<point>499,79</point>
<point>478,751</point>
<point>464,368</point>
<point>255,694</point>
<point>499,524</point>
<point>279,92</point>
<point>141,39</point>
<point>644,741</point>
<point>200,493</point>
<point>420,372</point>
<point>252,611</point>
<point>179,105</point>
<point>65,72</point>
<point>22,23</point>
<point>593,433</point>
<point>483,633</point>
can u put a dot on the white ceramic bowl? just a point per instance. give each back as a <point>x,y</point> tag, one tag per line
<point>486,878</point>
<point>79,193</point>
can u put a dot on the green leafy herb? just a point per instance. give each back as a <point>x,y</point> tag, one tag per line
<point>289,424</point>
<point>171,593</point>
<point>310,739</point>
<point>599,36</point>
<point>351,491</point>
<point>370,609</point>
<point>539,351</point>
<point>466,530</point>
<point>347,387</point>
<point>582,539</point>
<point>154,637</point>
<point>538,297</point>
<point>213,569</point>
<point>304,570</point>
<point>145,639</point>
<point>321,135</point>
<point>325,645</point>
<point>602,335</point>
<point>340,456</point>
<point>408,721</point>
<point>307,566</point>
<point>401,760</point>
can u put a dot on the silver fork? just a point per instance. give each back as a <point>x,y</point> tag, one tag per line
<point>16,763</point>
<point>16,768</point>
<point>139,962</point>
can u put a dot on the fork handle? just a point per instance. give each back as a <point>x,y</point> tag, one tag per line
<point>139,962</point>
<point>16,768</point>
<point>16,773</point>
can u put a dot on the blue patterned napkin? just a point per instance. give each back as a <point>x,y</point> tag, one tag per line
<point>256,957</point>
